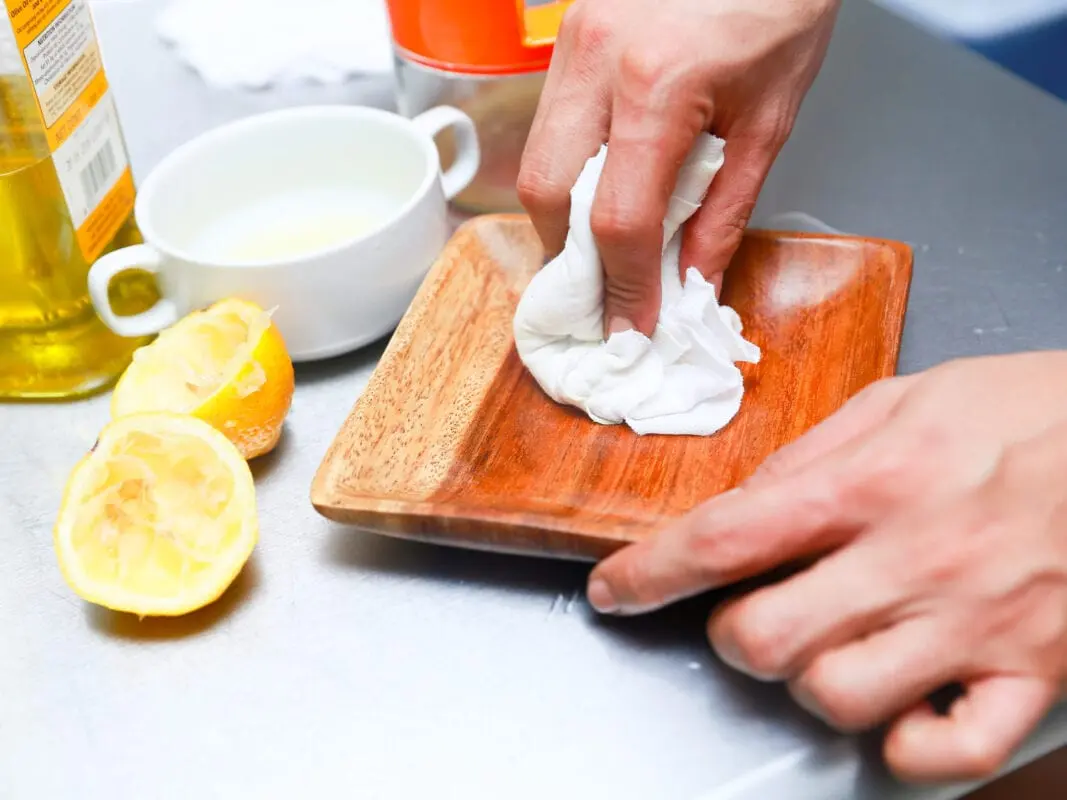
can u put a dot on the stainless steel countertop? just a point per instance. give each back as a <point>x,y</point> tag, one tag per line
<point>343,664</point>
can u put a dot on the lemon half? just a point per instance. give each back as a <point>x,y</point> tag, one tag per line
<point>226,365</point>
<point>159,518</point>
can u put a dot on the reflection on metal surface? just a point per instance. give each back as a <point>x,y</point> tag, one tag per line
<point>828,767</point>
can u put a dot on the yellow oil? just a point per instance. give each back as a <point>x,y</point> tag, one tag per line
<point>52,344</point>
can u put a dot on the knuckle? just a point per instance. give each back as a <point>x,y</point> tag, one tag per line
<point>1014,467</point>
<point>1035,616</point>
<point>616,227</point>
<point>743,639</point>
<point>721,553</point>
<point>832,696</point>
<point>726,228</point>
<point>1017,469</point>
<point>715,244</point>
<point>733,220</point>
<point>625,297</point>
<point>822,502</point>
<point>765,138</point>
<point>645,69</point>
<point>920,447</point>
<point>758,649</point>
<point>888,470</point>
<point>773,130</point>
<point>587,31</point>
<point>537,194</point>
<point>948,551</point>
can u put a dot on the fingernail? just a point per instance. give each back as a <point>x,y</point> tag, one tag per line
<point>619,325</point>
<point>601,598</point>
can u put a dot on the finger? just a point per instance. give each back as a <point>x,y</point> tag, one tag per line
<point>653,127</point>
<point>570,125</point>
<point>775,632</point>
<point>871,680</point>
<point>735,535</point>
<point>713,234</point>
<point>763,525</point>
<point>862,414</point>
<point>976,738</point>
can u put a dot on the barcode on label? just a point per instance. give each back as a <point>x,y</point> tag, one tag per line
<point>91,165</point>
<point>99,174</point>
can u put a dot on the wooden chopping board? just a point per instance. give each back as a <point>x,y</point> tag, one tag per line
<point>453,442</point>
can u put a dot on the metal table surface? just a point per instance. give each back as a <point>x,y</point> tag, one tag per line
<point>343,664</point>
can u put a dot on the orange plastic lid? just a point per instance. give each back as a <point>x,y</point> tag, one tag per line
<point>476,36</point>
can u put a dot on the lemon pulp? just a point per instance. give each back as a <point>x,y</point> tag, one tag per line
<point>159,518</point>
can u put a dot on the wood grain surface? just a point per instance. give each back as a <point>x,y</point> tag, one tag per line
<point>1044,779</point>
<point>452,440</point>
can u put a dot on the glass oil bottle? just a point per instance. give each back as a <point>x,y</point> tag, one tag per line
<point>66,197</point>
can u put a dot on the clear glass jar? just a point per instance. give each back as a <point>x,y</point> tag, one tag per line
<point>502,107</point>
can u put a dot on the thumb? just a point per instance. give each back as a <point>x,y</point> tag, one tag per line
<point>713,234</point>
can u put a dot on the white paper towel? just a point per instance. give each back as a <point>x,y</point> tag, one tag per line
<point>684,380</point>
<point>254,44</point>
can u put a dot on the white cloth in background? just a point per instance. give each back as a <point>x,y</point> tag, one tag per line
<point>684,380</point>
<point>253,44</point>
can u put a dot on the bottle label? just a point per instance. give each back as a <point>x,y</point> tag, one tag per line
<point>539,20</point>
<point>61,55</point>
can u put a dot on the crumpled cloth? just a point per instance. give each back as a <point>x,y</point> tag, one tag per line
<point>684,380</point>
